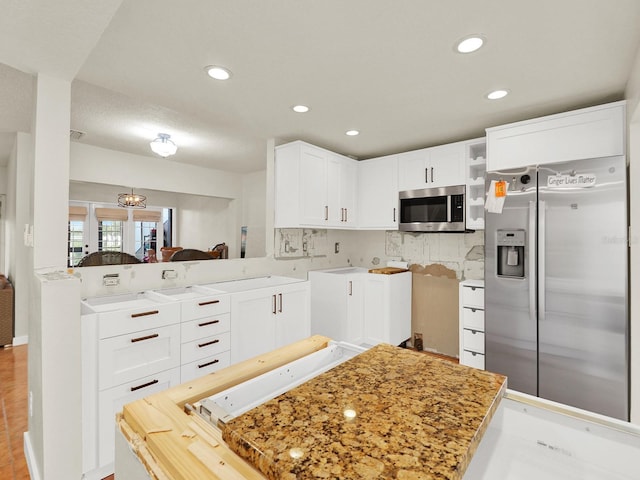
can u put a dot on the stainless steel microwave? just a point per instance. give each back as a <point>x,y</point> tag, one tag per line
<point>433,210</point>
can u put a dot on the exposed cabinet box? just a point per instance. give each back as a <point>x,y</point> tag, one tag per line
<point>471,321</point>
<point>580,134</point>
<point>378,193</point>
<point>314,187</point>
<point>476,153</point>
<point>350,304</point>
<point>432,167</point>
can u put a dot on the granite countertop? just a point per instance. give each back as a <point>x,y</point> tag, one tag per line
<point>386,413</point>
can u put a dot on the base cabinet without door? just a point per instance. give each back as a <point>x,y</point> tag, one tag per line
<point>267,318</point>
<point>350,304</point>
<point>472,323</point>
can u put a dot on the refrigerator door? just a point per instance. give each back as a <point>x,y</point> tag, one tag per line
<point>510,300</point>
<point>583,319</point>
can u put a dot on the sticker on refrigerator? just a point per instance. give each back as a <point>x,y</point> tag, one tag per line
<point>582,180</point>
<point>496,196</point>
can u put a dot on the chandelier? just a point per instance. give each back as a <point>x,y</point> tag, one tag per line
<point>132,200</point>
<point>163,145</point>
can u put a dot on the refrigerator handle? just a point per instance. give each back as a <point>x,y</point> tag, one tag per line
<point>542,220</point>
<point>532,261</point>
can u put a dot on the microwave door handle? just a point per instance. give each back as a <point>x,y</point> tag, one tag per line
<point>448,208</point>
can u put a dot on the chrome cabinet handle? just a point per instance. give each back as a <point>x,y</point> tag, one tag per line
<point>432,180</point>
<point>350,288</point>
<point>426,175</point>
<point>280,298</point>
<point>273,304</point>
<point>394,214</point>
<point>326,212</point>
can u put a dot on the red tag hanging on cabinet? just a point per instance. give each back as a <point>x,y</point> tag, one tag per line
<point>501,189</point>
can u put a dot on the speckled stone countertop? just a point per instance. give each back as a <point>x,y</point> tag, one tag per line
<point>386,413</point>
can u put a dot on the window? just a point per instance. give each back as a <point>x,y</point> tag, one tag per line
<point>110,236</point>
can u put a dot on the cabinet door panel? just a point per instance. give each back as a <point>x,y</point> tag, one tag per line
<point>413,170</point>
<point>378,193</point>
<point>292,321</point>
<point>447,165</point>
<point>252,324</point>
<point>313,187</point>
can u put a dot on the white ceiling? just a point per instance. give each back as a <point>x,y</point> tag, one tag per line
<point>385,68</point>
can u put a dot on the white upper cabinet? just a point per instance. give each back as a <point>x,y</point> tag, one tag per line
<point>432,167</point>
<point>378,193</point>
<point>314,187</point>
<point>587,133</point>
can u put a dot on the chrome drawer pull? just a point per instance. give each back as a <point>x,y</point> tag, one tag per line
<point>206,344</point>
<point>144,314</point>
<point>208,363</point>
<point>212,322</point>
<point>210,302</point>
<point>144,385</point>
<point>148,337</point>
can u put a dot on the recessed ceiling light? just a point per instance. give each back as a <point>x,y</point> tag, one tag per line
<point>218,72</point>
<point>497,94</point>
<point>300,108</point>
<point>470,44</point>
<point>352,133</point>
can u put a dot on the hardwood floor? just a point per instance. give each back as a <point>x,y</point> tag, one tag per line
<point>13,409</point>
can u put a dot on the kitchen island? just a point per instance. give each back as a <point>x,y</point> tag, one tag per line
<point>385,413</point>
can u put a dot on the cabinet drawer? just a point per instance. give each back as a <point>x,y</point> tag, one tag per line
<point>204,347</point>
<point>122,322</point>
<point>126,358</point>
<point>113,399</point>
<point>205,327</point>
<point>473,359</point>
<point>473,318</point>
<point>473,340</point>
<point>204,366</point>
<point>472,296</point>
<point>205,307</point>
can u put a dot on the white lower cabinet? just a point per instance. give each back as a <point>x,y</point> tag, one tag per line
<point>471,323</point>
<point>112,400</point>
<point>268,318</point>
<point>350,304</point>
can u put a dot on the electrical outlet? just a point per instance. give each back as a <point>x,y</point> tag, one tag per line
<point>169,274</point>
<point>111,280</point>
<point>336,248</point>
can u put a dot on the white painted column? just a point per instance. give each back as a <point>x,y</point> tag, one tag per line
<point>634,290</point>
<point>51,172</point>
<point>54,441</point>
<point>270,198</point>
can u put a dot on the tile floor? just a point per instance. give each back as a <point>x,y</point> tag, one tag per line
<point>13,413</point>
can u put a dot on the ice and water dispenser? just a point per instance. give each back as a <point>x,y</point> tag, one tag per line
<point>510,244</point>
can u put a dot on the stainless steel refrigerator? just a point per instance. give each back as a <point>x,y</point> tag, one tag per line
<point>556,284</point>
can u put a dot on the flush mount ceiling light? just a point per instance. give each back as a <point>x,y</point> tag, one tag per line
<point>300,108</point>
<point>218,72</point>
<point>352,133</point>
<point>469,44</point>
<point>163,145</point>
<point>132,200</point>
<point>497,94</point>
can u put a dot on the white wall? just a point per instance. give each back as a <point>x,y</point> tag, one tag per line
<point>632,95</point>
<point>254,194</point>
<point>203,222</point>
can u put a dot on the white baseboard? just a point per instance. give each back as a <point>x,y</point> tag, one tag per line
<point>31,459</point>
<point>22,340</point>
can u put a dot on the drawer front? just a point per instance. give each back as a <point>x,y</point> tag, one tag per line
<point>205,347</point>
<point>129,357</point>
<point>121,322</point>
<point>205,327</point>
<point>473,340</point>
<point>112,400</point>
<point>473,318</point>
<point>473,359</point>
<point>205,307</point>
<point>204,366</point>
<point>473,296</point>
